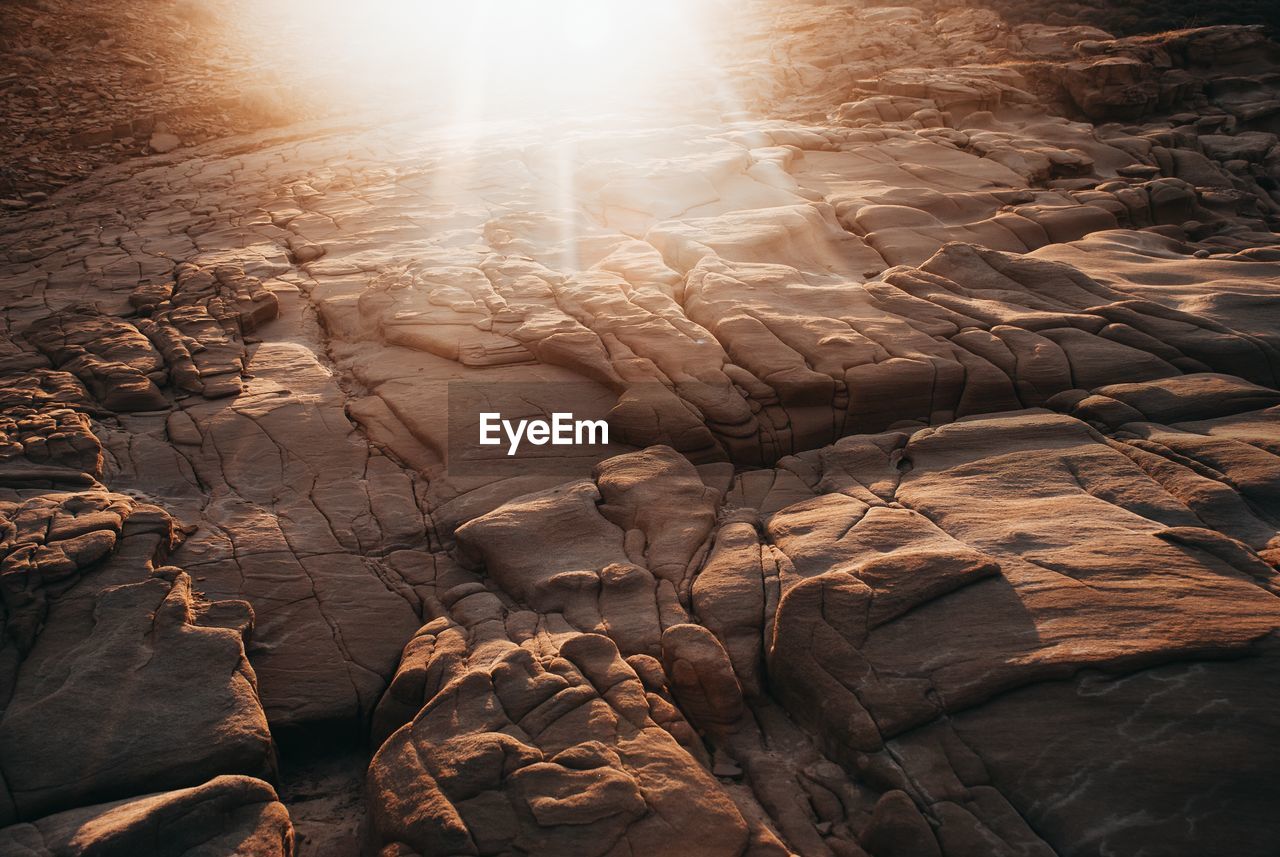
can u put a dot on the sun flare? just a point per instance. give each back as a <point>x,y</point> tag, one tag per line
<point>503,57</point>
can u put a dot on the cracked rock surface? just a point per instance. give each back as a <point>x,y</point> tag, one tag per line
<point>941,513</point>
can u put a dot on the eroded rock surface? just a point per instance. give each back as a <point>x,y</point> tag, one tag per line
<point>940,513</point>
<point>227,815</point>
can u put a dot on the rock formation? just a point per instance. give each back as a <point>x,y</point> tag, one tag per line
<point>940,517</point>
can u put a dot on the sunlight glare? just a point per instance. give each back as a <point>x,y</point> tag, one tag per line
<point>491,58</point>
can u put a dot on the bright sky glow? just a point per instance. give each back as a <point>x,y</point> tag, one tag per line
<point>498,58</point>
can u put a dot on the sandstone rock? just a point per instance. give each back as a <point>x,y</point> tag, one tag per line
<point>592,768</point>
<point>1045,41</point>
<point>163,142</point>
<point>108,354</point>
<point>940,360</point>
<point>227,815</point>
<point>168,725</point>
<point>898,828</point>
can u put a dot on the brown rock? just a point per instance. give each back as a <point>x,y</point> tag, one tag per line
<point>226,815</point>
